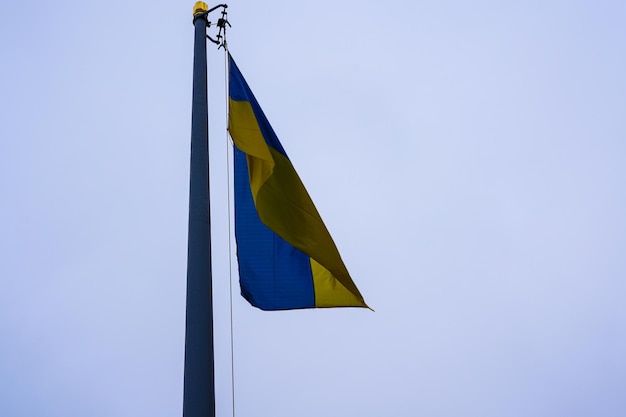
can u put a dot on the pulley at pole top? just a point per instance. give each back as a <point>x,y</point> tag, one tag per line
<point>201,10</point>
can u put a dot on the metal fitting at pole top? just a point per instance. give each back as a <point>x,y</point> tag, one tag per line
<point>199,8</point>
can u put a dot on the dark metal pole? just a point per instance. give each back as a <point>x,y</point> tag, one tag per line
<point>199,385</point>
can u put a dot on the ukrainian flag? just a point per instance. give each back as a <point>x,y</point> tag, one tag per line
<point>287,259</point>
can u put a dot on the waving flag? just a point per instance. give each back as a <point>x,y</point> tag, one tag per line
<point>287,258</point>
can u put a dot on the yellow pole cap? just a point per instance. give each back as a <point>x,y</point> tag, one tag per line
<point>200,7</point>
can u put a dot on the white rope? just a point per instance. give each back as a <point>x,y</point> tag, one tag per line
<point>230,245</point>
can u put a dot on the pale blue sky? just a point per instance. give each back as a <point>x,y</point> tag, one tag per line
<point>467,157</point>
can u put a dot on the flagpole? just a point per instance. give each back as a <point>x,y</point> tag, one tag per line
<point>199,372</point>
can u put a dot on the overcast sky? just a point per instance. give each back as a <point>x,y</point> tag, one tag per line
<point>468,157</point>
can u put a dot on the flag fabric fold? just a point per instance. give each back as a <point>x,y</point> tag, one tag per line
<point>287,258</point>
